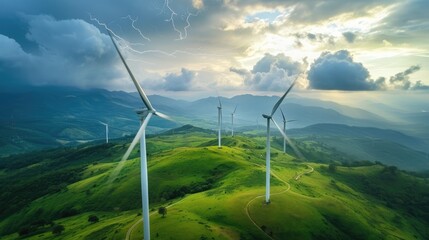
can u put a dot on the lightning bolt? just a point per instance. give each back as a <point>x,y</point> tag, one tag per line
<point>133,21</point>
<point>129,46</point>
<point>184,34</point>
<point>105,26</point>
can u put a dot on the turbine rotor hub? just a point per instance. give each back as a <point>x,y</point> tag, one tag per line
<point>143,112</point>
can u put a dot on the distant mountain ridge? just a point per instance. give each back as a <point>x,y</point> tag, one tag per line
<point>326,129</point>
<point>41,117</point>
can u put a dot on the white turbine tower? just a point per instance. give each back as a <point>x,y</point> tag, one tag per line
<point>145,115</point>
<point>268,153</point>
<point>107,131</point>
<point>284,129</point>
<point>219,123</point>
<point>232,121</point>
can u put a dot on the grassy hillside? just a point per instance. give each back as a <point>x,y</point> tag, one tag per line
<point>210,193</point>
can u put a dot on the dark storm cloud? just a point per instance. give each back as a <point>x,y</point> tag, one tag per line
<point>338,71</point>
<point>349,36</point>
<point>271,73</point>
<point>152,14</point>
<point>69,52</point>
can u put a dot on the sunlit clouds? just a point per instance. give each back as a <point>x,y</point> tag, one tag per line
<point>197,45</point>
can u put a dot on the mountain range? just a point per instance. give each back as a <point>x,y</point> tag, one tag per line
<point>43,117</point>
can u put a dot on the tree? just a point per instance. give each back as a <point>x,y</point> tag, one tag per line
<point>58,229</point>
<point>93,219</point>
<point>162,211</point>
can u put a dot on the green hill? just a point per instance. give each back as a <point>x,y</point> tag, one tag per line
<point>210,193</point>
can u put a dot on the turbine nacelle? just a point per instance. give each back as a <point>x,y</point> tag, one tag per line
<point>266,116</point>
<point>143,112</point>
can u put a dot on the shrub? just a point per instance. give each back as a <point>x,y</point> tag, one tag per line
<point>93,219</point>
<point>58,229</point>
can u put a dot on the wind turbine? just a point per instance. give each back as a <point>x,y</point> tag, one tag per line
<point>145,115</point>
<point>219,123</point>
<point>284,129</point>
<point>268,152</point>
<point>107,131</point>
<point>232,121</point>
<point>257,122</point>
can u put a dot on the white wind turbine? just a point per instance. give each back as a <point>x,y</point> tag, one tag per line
<point>219,123</point>
<point>284,129</point>
<point>145,115</point>
<point>107,130</point>
<point>268,152</point>
<point>232,121</point>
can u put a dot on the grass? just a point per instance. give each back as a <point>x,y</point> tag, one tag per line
<point>211,188</point>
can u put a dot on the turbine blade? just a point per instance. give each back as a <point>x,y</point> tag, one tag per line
<point>283,115</point>
<point>295,149</point>
<point>220,103</point>
<point>292,120</point>
<point>164,116</point>
<point>234,109</point>
<point>137,85</point>
<point>133,143</point>
<point>281,99</point>
<point>278,127</point>
<point>121,163</point>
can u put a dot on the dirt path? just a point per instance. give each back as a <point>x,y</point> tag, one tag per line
<point>127,237</point>
<point>281,192</point>
<point>308,172</point>
<point>130,230</point>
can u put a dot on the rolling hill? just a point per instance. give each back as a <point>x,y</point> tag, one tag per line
<point>210,193</point>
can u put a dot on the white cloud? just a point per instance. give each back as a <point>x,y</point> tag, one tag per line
<point>271,73</point>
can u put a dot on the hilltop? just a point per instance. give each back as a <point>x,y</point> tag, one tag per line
<point>210,193</point>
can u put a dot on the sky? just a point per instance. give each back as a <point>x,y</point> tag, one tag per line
<point>195,48</point>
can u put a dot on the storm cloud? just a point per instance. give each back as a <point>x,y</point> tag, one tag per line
<point>271,73</point>
<point>338,71</point>
<point>69,52</point>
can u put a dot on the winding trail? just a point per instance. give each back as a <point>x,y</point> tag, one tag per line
<point>304,173</point>
<point>281,192</point>
<point>130,230</point>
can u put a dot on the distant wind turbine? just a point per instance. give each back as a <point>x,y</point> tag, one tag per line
<point>145,115</point>
<point>257,123</point>
<point>268,152</point>
<point>107,131</point>
<point>284,129</point>
<point>232,121</point>
<point>219,123</point>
